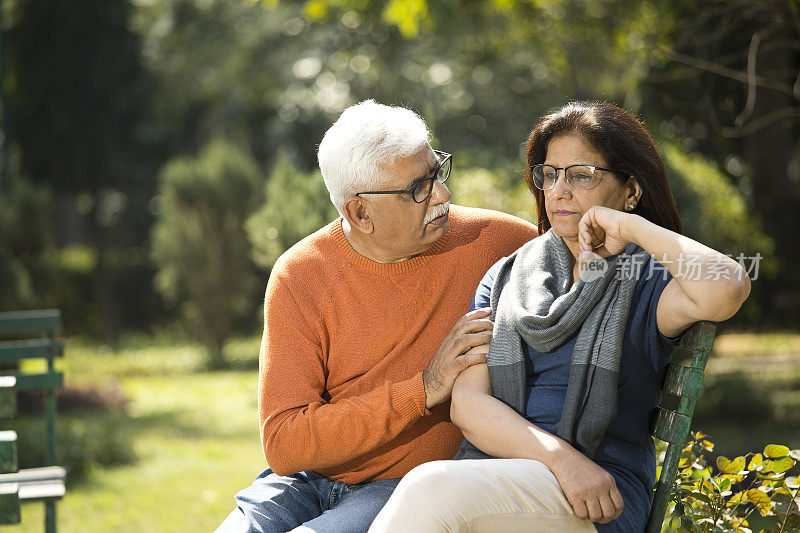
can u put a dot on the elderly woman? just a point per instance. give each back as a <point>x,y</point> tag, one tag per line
<point>585,318</point>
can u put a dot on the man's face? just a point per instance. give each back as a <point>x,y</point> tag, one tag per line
<point>404,228</point>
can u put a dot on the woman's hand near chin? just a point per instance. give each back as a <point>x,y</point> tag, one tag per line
<point>691,295</point>
<point>605,231</point>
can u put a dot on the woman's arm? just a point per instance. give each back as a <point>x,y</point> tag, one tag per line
<point>714,288</point>
<point>498,430</point>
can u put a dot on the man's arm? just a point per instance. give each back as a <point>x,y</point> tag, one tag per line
<point>301,430</point>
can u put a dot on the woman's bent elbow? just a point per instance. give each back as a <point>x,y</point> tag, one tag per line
<point>732,294</point>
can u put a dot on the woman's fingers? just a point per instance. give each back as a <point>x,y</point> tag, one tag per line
<point>585,228</point>
<point>595,511</point>
<point>609,508</point>
<point>616,497</point>
<point>579,508</point>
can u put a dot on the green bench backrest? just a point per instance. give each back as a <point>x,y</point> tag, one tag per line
<point>21,323</point>
<point>674,416</point>
<point>9,495</point>
<point>29,335</point>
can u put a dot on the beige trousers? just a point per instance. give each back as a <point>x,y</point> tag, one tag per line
<point>479,495</point>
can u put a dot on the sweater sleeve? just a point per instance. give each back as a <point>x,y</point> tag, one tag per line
<point>300,428</point>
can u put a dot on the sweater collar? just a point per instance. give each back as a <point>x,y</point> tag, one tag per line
<point>337,234</point>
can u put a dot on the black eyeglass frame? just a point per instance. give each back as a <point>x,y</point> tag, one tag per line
<point>435,176</point>
<point>569,181</point>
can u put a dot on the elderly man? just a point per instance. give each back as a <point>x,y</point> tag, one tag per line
<point>364,334</point>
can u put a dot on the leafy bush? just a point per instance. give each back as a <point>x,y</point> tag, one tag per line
<point>734,398</point>
<point>200,244</point>
<point>493,189</point>
<point>24,235</point>
<point>92,430</point>
<point>296,205</point>
<point>715,213</point>
<point>723,499</point>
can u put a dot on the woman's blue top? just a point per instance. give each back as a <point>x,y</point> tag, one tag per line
<point>627,451</point>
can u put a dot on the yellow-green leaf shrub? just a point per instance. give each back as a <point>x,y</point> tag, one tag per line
<point>706,499</point>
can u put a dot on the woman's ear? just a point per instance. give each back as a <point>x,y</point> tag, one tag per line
<point>356,213</point>
<point>633,193</point>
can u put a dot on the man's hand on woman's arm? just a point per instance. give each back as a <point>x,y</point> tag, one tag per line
<point>498,430</point>
<point>467,344</point>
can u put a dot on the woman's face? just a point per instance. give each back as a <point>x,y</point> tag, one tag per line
<point>565,205</point>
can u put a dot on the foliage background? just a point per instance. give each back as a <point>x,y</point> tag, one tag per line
<point>102,101</point>
<point>100,97</point>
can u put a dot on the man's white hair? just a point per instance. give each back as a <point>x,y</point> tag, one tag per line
<point>365,136</point>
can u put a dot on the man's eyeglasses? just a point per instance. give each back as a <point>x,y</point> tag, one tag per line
<point>581,177</point>
<point>422,190</point>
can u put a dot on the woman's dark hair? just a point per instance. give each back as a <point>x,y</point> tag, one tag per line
<point>625,145</point>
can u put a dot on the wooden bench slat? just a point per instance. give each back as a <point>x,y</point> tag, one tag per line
<point>11,351</point>
<point>46,473</point>
<point>53,490</point>
<point>37,483</point>
<point>47,380</point>
<point>9,488</point>
<point>680,391</point>
<point>21,322</point>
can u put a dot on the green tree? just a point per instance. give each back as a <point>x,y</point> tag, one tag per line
<point>25,234</point>
<point>78,106</point>
<point>727,87</point>
<point>297,204</point>
<point>200,244</point>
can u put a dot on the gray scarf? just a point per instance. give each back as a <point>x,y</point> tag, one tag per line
<point>534,300</point>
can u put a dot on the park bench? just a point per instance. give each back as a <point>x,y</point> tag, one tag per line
<point>30,335</point>
<point>674,415</point>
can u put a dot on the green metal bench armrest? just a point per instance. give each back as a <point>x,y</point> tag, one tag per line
<point>674,415</point>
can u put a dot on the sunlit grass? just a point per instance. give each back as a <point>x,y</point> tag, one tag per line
<point>195,433</point>
<point>747,344</point>
<point>195,436</point>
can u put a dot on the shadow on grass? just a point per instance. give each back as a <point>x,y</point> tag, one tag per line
<point>101,440</point>
<point>743,413</point>
<point>184,425</point>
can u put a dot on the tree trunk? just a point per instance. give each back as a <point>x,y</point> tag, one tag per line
<point>776,197</point>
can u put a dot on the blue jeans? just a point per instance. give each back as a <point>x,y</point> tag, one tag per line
<point>276,503</point>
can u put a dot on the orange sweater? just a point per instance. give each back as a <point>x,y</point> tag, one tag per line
<point>346,340</point>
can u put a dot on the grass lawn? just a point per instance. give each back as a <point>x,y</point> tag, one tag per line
<point>195,433</point>
<point>195,437</point>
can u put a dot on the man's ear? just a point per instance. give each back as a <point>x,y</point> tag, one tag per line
<point>356,213</point>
